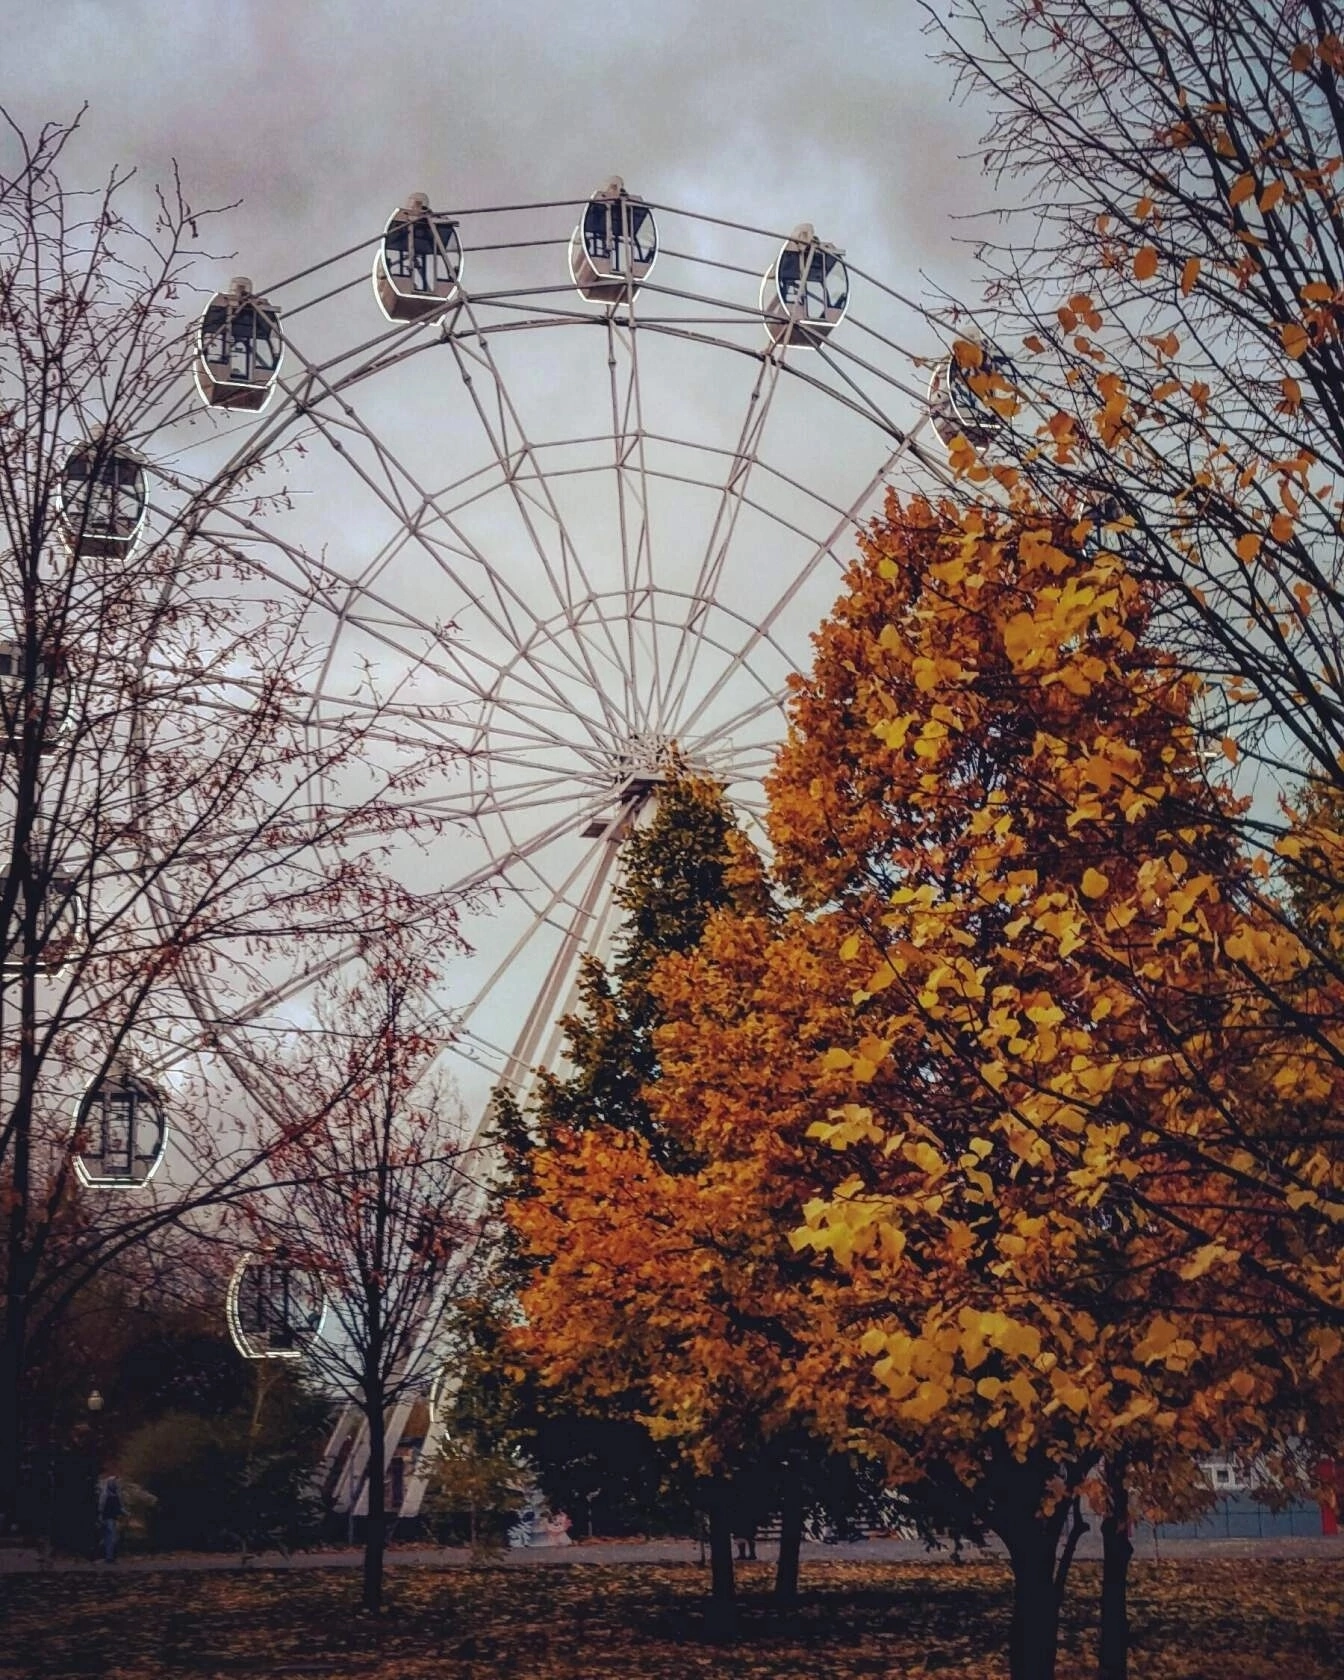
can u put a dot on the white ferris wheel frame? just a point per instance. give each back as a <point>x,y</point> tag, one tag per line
<point>633,645</point>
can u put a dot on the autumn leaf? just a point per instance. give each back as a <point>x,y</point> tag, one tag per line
<point>1189,275</point>
<point>1020,637</point>
<point>968,354</point>
<point>1145,263</point>
<point>591,1608</point>
<point>1210,1255</point>
<point>1242,189</point>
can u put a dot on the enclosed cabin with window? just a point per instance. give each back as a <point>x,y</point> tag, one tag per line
<point>239,348</point>
<point>42,695</point>
<point>275,1308</point>
<point>417,269</point>
<point>972,394</point>
<point>614,247</point>
<point>121,1131</point>
<point>103,498</point>
<point>805,291</point>
<point>59,924</point>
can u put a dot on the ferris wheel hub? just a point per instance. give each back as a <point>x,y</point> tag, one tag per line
<point>642,761</point>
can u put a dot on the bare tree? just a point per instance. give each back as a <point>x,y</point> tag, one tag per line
<point>377,1202</point>
<point>1165,289</point>
<point>184,838</point>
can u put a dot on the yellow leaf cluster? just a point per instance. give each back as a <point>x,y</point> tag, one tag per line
<point>976,1119</point>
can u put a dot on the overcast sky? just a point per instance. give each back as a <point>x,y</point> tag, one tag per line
<point>318,114</point>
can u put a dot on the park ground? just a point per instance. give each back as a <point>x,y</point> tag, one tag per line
<point>1196,1616</point>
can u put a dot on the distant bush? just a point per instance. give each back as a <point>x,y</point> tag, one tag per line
<point>243,1481</point>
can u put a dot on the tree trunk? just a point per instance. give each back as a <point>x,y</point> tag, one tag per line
<point>375,1525</point>
<point>1116,1551</point>
<point>1035,1629</point>
<point>18,1260</point>
<point>721,1588</point>
<point>790,1537</point>
<point>12,1423</point>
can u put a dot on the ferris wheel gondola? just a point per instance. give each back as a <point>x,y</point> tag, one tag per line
<point>103,498</point>
<point>275,1308</point>
<point>971,393</point>
<point>805,291</point>
<point>60,923</point>
<point>417,268</point>
<point>49,696</point>
<point>613,249</point>
<point>239,349</point>
<point>121,1127</point>
<point>1110,528</point>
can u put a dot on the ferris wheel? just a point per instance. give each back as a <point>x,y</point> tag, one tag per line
<point>568,485</point>
<point>571,483</point>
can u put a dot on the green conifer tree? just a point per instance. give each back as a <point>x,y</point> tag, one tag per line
<point>688,860</point>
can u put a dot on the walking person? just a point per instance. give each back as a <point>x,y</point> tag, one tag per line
<point>110,1513</point>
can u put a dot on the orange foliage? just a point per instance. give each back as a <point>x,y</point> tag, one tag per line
<point>981,1125</point>
<point>1063,1065</point>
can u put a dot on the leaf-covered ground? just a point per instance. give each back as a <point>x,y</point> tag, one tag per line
<point>1196,1620</point>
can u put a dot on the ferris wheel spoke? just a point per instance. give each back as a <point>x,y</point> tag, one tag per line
<point>543,915</point>
<point>478,1051</point>
<point>630,463</point>
<point>391,499</point>
<point>418,513</point>
<point>528,724</point>
<point>326,585</point>
<point>588,928</point>
<point>514,453</point>
<point>515,636</point>
<point>763,470</point>
<point>726,731</point>
<point>385,724</point>
<point>721,534</point>
<point>512,448</point>
<point>267,1003</point>
<point>834,356</point>
<point>826,548</point>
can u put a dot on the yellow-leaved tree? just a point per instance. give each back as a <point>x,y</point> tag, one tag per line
<point>1165,337</point>
<point>1018,1018</point>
